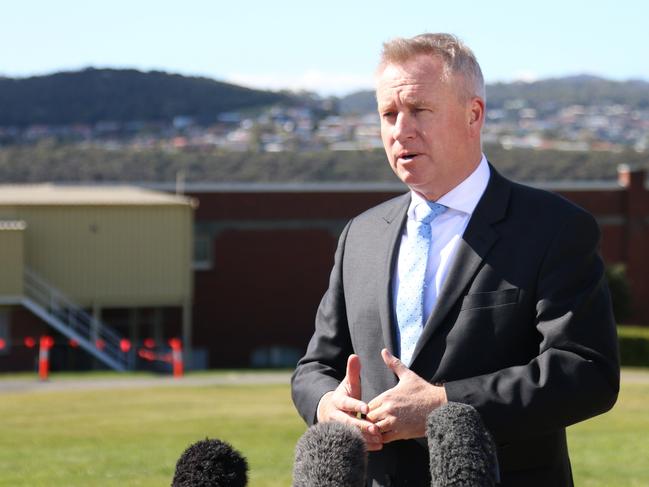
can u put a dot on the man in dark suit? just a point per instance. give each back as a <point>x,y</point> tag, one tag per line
<point>507,310</point>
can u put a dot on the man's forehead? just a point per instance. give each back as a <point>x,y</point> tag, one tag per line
<point>418,73</point>
<point>407,83</point>
<point>407,88</point>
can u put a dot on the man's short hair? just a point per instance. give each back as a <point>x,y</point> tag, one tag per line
<point>458,58</point>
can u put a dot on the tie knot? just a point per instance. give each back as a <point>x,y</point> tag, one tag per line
<point>430,211</point>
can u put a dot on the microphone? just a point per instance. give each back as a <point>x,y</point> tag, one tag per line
<point>462,452</point>
<point>211,463</point>
<point>330,454</point>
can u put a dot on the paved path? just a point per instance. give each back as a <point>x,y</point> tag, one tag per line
<point>629,376</point>
<point>635,376</point>
<point>126,382</point>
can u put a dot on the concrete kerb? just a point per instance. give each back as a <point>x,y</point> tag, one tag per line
<point>629,376</point>
<point>81,384</point>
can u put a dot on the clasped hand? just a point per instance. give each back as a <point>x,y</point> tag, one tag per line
<point>397,414</point>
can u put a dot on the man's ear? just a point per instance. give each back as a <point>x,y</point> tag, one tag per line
<point>476,114</point>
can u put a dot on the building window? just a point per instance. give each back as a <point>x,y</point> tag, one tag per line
<point>203,253</point>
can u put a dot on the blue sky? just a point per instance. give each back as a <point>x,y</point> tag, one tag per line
<point>330,47</point>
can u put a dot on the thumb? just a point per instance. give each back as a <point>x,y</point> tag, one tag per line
<point>353,376</point>
<point>396,365</point>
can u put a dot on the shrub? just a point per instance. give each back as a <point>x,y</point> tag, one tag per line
<point>634,345</point>
<point>618,284</point>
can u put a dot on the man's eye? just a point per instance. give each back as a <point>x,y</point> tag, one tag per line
<point>388,114</point>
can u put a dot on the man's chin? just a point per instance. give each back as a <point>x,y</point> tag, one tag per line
<point>410,178</point>
<point>422,188</point>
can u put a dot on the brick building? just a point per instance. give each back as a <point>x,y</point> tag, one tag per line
<point>264,253</point>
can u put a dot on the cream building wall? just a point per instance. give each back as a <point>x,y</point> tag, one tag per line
<point>107,247</point>
<point>101,247</point>
<point>12,235</point>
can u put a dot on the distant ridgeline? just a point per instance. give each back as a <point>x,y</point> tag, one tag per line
<point>549,94</point>
<point>544,95</point>
<point>126,95</point>
<point>121,95</point>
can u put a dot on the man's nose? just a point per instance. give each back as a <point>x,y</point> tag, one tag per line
<point>404,127</point>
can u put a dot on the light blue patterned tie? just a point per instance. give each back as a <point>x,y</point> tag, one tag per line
<point>413,260</point>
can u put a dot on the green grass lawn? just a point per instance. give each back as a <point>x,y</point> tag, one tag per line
<point>134,437</point>
<point>126,437</point>
<point>613,449</point>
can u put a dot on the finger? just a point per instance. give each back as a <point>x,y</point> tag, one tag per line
<point>367,427</point>
<point>349,404</point>
<point>353,375</point>
<point>391,436</point>
<point>377,412</point>
<point>369,430</point>
<point>351,420</point>
<point>385,426</point>
<point>374,445</point>
<point>396,365</point>
<point>374,441</point>
<point>377,402</point>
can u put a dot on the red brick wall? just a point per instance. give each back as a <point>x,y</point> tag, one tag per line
<point>273,252</point>
<point>267,282</point>
<point>261,205</point>
<point>263,291</point>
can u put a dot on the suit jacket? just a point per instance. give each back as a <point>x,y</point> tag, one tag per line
<point>522,330</point>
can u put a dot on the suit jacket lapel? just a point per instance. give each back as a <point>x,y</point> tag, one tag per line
<point>478,238</point>
<point>394,219</point>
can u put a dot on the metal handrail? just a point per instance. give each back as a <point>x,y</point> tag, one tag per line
<point>80,324</point>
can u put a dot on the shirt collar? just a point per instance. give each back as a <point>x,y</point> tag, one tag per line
<point>465,196</point>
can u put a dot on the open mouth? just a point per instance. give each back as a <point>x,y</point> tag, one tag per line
<point>408,156</point>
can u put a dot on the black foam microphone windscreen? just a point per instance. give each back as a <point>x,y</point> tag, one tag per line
<point>211,463</point>
<point>462,452</point>
<point>330,454</point>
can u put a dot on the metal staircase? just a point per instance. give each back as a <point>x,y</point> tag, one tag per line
<point>49,304</point>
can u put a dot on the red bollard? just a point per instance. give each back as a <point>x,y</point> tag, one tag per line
<point>125,345</point>
<point>176,356</point>
<point>46,343</point>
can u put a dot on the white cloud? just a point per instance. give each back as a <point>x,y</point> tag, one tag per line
<point>311,80</point>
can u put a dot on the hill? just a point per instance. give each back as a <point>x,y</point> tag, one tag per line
<point>549,94</point>
<point>544,95</point>
<point>121,95</point>
<point>127,95</point>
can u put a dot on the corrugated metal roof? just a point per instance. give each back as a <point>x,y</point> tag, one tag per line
<point>73,195</point>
